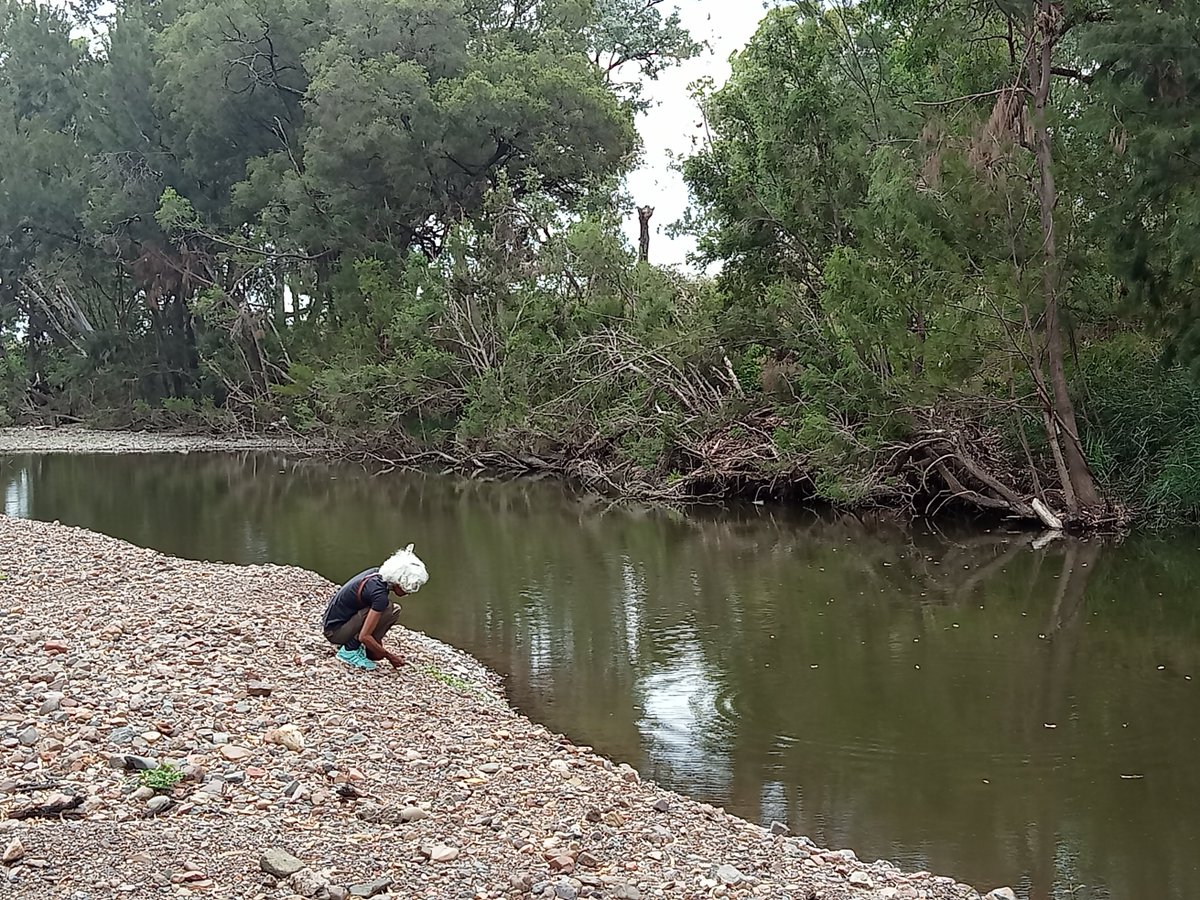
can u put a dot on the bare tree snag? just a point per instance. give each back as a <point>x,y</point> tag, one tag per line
<point>644,215</point>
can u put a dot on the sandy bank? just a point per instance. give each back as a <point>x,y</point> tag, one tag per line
<point>422,783</point>
<point>72,439</point>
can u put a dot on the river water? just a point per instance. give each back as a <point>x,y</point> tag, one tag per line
<point>961,702</point>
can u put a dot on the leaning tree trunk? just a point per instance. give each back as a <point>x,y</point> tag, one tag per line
<point>1080,489</point>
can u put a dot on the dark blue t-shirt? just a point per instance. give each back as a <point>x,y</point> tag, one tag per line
<point>347,602</point>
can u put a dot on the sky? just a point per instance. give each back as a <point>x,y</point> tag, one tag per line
<point>672,124</point>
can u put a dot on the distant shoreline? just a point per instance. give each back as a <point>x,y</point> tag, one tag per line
<point>79,439</point>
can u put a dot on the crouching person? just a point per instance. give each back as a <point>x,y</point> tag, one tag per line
<point>361,613</point>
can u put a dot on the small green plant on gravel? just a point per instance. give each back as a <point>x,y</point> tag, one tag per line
<point>459,684</point>
<point>163,778</point>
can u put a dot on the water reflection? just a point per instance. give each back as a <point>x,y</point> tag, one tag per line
<point>969,703</point>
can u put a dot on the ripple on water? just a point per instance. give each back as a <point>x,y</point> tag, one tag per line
<point>1065,750</point>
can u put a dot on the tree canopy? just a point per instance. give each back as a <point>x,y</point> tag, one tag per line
<point>954,241</point>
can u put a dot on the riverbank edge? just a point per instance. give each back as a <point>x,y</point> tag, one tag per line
<point>576,473</point>
<point>830,874</point>
<point>79,439</point>
<point>378,456</point>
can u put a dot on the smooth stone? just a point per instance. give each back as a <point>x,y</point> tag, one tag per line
<point>279,863</point>
<point>370,888</point>
<point>123,735</point>
<point>779,828</point>
<point>727,874</point>
<point>156,805</point>
<point>308,883</point>
<point>1000,893</point>
<point>860,879</point>
<point>13,852</point>
<point>140,763</point>
<point>214,786</point>
<point>234,753</point>
<point>662,804</point>
<point>288,736</point>
<point>413,814</point>
<point>441,853</point>
<point>142,794</point>
<point>29,736</point>
<point>520,883</point>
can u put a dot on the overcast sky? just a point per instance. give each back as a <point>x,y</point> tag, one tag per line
<point>671,125</point>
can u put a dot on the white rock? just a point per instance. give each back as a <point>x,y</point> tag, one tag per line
<point>288,736</point>
<point>1000,893</point>
<point>727,874</point>
<point>13,852</point>
<point>441,853</point>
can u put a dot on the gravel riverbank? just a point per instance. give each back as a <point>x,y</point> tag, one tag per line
<point>301,777</point>
<point>77,439</point>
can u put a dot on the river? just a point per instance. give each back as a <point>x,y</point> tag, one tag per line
<point>961,701</point>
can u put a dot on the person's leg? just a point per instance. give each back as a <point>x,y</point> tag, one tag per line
<point>386,621</point>
<point>346,634</point>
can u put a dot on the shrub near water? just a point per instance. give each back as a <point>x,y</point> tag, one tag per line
<point>1142,423</point>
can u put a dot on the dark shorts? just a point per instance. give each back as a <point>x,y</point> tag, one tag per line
<point>347,631</point>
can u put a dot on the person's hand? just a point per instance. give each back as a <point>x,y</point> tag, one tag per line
<point>396,660</point>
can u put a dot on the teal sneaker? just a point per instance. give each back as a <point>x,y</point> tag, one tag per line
<point>356,658</point>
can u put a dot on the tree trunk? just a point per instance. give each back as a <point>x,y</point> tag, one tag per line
<point>185,359</point>
<point>1065,430</point>
<point>644,214</point>
<point>35,349</point>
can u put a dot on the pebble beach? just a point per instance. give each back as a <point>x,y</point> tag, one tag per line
<point>178,728</point>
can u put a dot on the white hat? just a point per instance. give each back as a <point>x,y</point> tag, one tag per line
<point>405,569</point>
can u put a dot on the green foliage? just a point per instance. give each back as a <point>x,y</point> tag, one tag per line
<point>1147,88</point>
<point>1143,426</point>
<point>401,219</point>
<point>176,213</point>
<point>634,34</point>
<point>162,778</point>
<point>455,682</point>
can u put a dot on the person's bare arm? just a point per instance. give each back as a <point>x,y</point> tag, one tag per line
<point>367,635</point>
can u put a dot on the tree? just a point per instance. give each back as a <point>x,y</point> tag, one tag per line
<point>634,34</point>
<point>1145,70</point>
<point>40,174</point>
<point>407,128</point>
